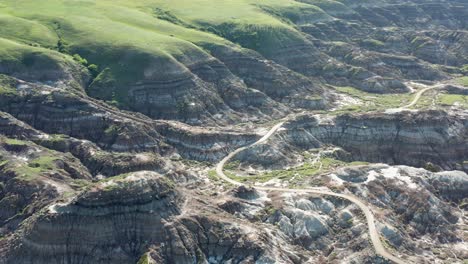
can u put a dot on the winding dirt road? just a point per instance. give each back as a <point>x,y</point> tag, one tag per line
<point>416,97</point>
<point>373,233</point>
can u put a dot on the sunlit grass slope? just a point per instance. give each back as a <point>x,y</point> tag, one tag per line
<point>127,37</point>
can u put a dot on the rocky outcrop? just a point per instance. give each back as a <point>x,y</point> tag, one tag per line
<point>92,165</point>
<point>203,144</point>
<point>451,185</point>
<point>311,223</point>
<point>456,89</point>
<point>118,219</point>
<point>199,91</point>
<point>410,138</point>
<point>97,161</point>
<point>420,205</point>
<point>275,80</point>
<point>57,111</point>
<point>396,39</point>
<point>32,177</point>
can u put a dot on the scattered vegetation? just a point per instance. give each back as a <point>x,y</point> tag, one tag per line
<point>372,101</point>
<point>464,69</point>
<point>112,131</point>
<point>213,176</point>
<point>36,167</point>
<point>296,173</point>
<point>80,184</point>
<point>7,85</point>
<point>92,68</point>
<point>232,165</point>
<point>452,99</point>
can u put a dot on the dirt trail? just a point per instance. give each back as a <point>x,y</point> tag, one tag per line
<point>416,97</point>
<point>373,233</point>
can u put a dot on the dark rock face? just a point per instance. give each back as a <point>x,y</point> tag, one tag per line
<point>275,80</point>
<point>54,69</point>
<point>405,138</point>
<point>58,111</point>
<point>205,87</point>
<point>247,193</point>
<point>455,89</point>
<point>394,39</point>
<point>410,138</point>
<point>118,218</point>
<point>452,185</point>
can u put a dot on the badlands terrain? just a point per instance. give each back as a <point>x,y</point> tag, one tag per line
<point>243,131</point>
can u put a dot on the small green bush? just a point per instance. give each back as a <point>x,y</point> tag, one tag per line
<point>94,70</point>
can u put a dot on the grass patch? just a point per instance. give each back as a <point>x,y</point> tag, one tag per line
<point>372,43</point>
<point>213,176</point>
<point>462,81</point>
<point>43,162</point>
<point>297,173</point>
<point>452,99</point>
<point>3,163</point>
<point>374,102</point>
<point>80,184</point>
<point>144,259</point>
<point>232,165</point>
<point>14,142</point>
<point>36,167</point>
<point>196,163</point>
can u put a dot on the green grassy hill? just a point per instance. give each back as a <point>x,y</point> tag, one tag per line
<point>176,56</point>
<point>131,41</point>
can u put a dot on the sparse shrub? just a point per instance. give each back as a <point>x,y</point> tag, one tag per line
<point>80,60</point>
<point>431,167</point>
<point>112,130</point>
<point>62,46</point>
<point>372,43</point>
<point>94,70</point>
<point>182,107</point>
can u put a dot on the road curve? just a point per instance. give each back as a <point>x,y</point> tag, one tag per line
<point>416,97</point>
<point>420,93</point>
<point>373,233</point>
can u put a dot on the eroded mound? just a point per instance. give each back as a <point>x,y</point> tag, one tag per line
<point>118,218</point>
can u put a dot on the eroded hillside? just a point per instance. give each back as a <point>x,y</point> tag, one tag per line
<point>344,124</point>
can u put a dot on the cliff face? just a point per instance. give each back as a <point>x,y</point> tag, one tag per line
<point>118,218</point>
<point>410,138</point>
<point>61,111</point>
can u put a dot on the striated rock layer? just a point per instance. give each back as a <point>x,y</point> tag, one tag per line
<point>410,138</point>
